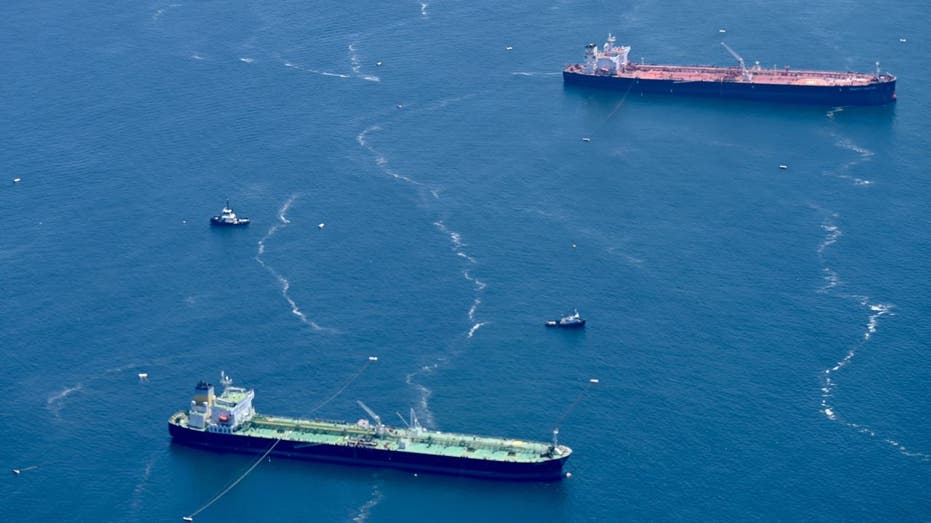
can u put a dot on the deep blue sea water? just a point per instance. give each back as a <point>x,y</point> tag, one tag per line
<point>760,335</point>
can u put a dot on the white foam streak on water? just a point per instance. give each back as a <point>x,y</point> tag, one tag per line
<point>314,71</point>
<point>282,281</point>
<point>455,238</point>
<point>425,393</point>
<point>356,65</point>
<point>139,489</point>
<point>54,401</point>
<point>863,155</point>
<point>832,280</point>
<point>381,161</point>
<point>475,327</point>
<point>366,509</point>
<point>531,73</point>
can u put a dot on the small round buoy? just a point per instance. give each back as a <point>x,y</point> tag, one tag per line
<point>568,474</point>
<point>399,106</point>
<point>415,474</point>
<point>378,64</point>
<point>573,246</point>
<point>322,225</point>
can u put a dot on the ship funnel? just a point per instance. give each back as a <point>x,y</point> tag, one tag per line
<point>203,393</point>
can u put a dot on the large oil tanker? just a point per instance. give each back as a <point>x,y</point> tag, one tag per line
<point>228,423</point>
<point>609,67</point>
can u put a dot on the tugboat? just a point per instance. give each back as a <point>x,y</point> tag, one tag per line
<point>573,321</point>
<point>228,218</point>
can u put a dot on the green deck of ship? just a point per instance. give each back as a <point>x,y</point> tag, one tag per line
<point>427,442</point>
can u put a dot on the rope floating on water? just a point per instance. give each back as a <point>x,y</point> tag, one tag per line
<point>345,385</point>
<point>578,399</point>
<point>233,484</point>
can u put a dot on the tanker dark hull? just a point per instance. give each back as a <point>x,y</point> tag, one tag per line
<point>372,456</point>
<point>874,94</point>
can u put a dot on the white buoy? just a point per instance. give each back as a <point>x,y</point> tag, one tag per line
<point>322,225</point>
<point>573,246</point>
<point>568,474</point>
<point>399,106</point>
<point>378,64</point>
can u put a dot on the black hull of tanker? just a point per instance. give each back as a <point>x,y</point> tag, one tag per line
<point>371,456</point>
<point>874,94</point>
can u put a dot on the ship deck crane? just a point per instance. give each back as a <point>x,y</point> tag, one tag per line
<point>743,66</point>
<point>379,428</point>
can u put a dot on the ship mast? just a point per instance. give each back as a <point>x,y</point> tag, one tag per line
<point>743,67</point>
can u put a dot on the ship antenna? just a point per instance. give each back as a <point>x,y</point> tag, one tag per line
<point>225,380</point>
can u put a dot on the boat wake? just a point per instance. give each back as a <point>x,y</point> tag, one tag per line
<point>424,401</point>
<point>366,509</point>
<point>382,162</point>
<point>842,172</point>
<point>313,71</point>
<point>161,11</point>
<point>356,65</point>
<point>831,286</point>
<point>54,402</point>
<point>530,73</point>
<point>282,281</point>
<point>458,248</point>
<point>139,489</point>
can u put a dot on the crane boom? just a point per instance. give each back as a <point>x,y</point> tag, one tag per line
<point>740,60</point>
<point>370,412</point>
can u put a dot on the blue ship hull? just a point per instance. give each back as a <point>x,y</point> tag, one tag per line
<point>371,456</point>
<point>874,94</point>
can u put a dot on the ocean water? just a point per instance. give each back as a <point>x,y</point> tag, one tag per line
<point>759,335</point>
